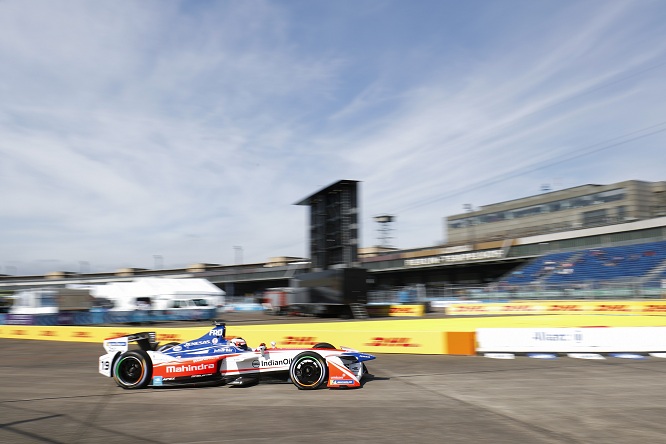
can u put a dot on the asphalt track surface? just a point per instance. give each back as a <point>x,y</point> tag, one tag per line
<point>50,392</point>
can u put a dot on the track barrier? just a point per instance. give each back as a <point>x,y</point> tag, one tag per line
<point>455,336</point>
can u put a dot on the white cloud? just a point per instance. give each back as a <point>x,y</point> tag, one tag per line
<point>181,129</point>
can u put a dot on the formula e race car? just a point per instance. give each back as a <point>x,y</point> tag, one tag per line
<point>214,359</point>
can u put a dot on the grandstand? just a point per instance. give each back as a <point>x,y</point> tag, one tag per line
<point>591,240</point>
<point>644,261</point>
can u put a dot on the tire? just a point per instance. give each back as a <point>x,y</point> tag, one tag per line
<point>133,370</point>
<point>308,371</point>
<point>166,346</point>
<point>323,345</point>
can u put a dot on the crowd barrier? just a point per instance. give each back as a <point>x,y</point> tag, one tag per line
<point>454,336</point>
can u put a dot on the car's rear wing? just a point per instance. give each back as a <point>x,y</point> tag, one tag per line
<point>145,340</point>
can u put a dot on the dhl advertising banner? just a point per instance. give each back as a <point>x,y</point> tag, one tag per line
<point>560,307</point>
<point>95,334</point>
<point>455,336</point>
<point>359,336</point>
<point>407,310</point>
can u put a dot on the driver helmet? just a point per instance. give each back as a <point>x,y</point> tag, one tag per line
<point>240,343</point>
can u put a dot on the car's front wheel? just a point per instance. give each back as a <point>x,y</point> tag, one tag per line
<point>308,371</point>
<point>133,369</point>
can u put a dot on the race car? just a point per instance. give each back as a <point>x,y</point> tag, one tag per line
<point>213,358</point>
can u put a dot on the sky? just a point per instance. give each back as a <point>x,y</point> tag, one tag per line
<point>159,134</point>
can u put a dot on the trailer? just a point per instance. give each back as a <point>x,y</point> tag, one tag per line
<point>51,301</point>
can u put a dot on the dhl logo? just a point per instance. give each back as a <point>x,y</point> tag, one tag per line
<point>81,334</point>
<point>119,334</point>
<point>169,337</point>
<point>48,333</point>
<point>517,308</point>
<point>19,332</point>
<point>300,340</point>
<point>398,310</point>
<point>564,307</point>
<point>470,308</point>
<point>614,308</point>
<point>653,308</point>
<point>391,342</point>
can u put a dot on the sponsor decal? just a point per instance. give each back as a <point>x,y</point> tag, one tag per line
<point>565,307</point>
<point>119,334</point>
<point>168,337</point>
<point>216,332</point>
<point>517,307</point>
<point>391,342</point>
<point>189,368</point>
<point>613,308</point>
<point>300,340</point>
<point>195,343</point>
<point>177,348</point>
<point>576,336</point>
<point>116,343</point>
<point>341,382</point>
<point>399,310</point>
<point>654,308</point>
<point>19,332</point>
<point>215,340</point>
<point>461,257</point>
<point>81,334</point>
<point>48,333</point>
<point>157,380</point>
<point>272,362</point>
<point>469,308</point>
<point>255,363</point>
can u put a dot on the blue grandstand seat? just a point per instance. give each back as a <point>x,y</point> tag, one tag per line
<point>595,264</point>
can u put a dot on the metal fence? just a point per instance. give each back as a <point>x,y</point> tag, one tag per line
<point>590,290</point>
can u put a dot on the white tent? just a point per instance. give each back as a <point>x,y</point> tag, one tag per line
<point>158,291</point>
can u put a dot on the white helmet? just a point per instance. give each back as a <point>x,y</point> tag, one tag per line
<point>240,343</point>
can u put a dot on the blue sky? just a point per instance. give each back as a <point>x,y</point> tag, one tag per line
<point>143,133</point>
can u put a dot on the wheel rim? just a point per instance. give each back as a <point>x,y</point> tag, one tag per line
<point>130,370</point>
<point>308,371</point>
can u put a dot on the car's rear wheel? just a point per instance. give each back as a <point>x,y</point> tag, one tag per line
<point>133,369</point>
<point>308,371</point>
